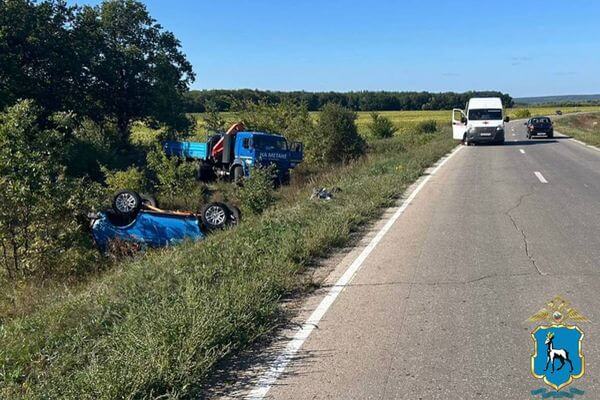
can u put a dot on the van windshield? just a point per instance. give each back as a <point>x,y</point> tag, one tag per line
<point>484,114</point>
<point>269,143</point>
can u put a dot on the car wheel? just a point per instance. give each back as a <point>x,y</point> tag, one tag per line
<point>127,203</point>
<point>149,200</point>
<point>550,135</point>
<point>215,215</point>
<point>235,215</point>
<point>238,174</point>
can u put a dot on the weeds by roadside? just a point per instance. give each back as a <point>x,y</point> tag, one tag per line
<point>585,127</point>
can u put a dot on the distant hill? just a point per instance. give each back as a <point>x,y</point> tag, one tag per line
<point>567,99</point>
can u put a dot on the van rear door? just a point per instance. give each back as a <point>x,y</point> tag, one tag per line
<point>459,124</point>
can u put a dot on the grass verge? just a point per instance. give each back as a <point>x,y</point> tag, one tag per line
<point>585,127</point>
<point>158,325</point>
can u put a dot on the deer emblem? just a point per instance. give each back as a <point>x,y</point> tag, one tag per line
<point>556,354</point>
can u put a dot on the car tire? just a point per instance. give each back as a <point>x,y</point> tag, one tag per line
<point>550,135</point>
<point>215,216</point>
<point>149,200</point>
<point>127,203</point>
<point>238,174</point>
<point>235,215</point>
<point>500,140</point>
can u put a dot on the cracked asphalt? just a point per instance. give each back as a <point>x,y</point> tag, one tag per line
<point>439,309</point>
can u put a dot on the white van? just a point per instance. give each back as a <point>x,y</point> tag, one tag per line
<point>482,121</point>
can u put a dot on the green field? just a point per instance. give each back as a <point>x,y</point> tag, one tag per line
<point>584,127</point>
<point>405,121</point>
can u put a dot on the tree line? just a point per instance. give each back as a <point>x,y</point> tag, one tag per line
<point>227,100</point>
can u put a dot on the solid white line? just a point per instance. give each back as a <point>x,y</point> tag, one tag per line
<point>540,177</point>
<point>585,144</point>
<point>522,151</point>
<point>277,367</point>
<point>581,143</point>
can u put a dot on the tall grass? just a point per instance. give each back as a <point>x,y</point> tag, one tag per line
<point>585,127</point>
<point>158,325</point>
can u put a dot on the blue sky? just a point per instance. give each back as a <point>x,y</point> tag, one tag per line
<point>525,48</point>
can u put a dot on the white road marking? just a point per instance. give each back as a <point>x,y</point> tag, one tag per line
<point>277,367</point>
<point>522,151</point>
<point>586,145</point>
<point>540,177</point>
<point>580,142</point>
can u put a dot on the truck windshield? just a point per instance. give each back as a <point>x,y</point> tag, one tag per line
<point>485,114</point>
<point>269,143</point>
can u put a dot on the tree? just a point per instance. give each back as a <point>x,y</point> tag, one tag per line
<point>213,120</point>
<point>335,138</point>
<point>37,58</point>
<point>38,226</point>
<point>111,62</point>
<point>288,118</point>
<point>137,70</point>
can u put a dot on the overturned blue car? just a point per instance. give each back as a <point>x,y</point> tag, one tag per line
<point>137,220</point>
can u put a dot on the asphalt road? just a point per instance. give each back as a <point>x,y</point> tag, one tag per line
<point>439,308</point>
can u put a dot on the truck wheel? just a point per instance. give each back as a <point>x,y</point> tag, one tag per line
<point>238,174</point>
<point>235,215</point>
<point>200,173</point>
<point>285,179</point>
<point>127,203</point>
<point>215,215</point>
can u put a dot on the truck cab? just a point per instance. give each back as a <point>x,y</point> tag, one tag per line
<point>252,149</point>
<point>481,122</point>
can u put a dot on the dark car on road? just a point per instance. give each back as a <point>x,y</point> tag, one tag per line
<point>538,126</point>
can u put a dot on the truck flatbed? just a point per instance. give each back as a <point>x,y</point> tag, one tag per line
<point>194,150</point>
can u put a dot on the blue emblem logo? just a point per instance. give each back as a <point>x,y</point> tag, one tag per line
<point>557,347</point>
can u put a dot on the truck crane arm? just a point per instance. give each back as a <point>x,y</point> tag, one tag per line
<point>218,147</point>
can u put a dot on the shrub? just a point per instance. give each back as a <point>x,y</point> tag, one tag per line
<point>174,179</point>
<point>132,178</point>
<point>256,194</point>
<point>335,138</point>
<point>381,127</point>
<point>39,203</point>
<point>427,126</point>
<point>522,113</point>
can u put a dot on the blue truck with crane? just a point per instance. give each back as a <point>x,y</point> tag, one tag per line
<point>236,152</point>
